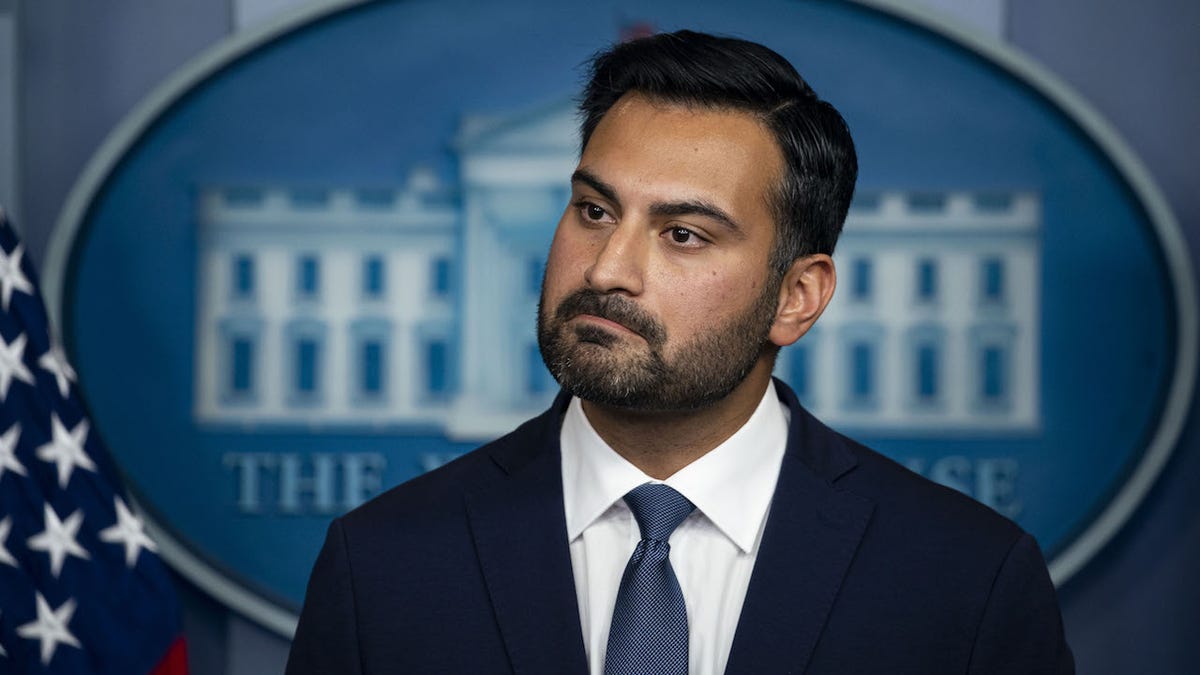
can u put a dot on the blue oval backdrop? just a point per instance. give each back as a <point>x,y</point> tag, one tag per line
<point>313,273</point>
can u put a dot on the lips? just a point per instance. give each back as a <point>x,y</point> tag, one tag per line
<point>602,321</point>
<point>617,309</point>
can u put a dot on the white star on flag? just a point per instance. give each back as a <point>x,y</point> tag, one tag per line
<point>128,531</point>
<point>11,276</point>
<point>12,364</point>
<point>65,449</point>
<point>2,652</point>
<point>58,539</point>
<point>5,556</point>
<point>8,451</point>
<point>54,361</point>
<point>50,627</point>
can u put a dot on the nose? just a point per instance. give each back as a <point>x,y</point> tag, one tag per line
<point>619,264</point>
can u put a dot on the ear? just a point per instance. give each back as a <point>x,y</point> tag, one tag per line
<point>806,289</point>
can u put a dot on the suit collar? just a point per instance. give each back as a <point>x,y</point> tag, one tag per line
<point>532,439</point>
<point>813,444</point>
<point>813,531</point>
<point>520,537</point>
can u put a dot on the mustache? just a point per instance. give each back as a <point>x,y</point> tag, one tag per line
<point>615,308</point>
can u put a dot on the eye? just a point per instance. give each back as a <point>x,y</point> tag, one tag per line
<point>685,238</point>
<point>593,213</point>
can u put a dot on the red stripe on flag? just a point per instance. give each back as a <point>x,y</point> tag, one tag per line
<point>174,662</point>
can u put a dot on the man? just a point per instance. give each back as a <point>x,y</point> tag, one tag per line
<point>676,510</point>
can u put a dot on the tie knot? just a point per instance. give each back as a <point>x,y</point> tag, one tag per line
<point>658,508</point>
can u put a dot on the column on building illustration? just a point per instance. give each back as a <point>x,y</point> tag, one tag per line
<point>515,173</point>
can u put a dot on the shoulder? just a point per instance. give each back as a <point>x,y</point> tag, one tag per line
<point>985,594</point>
<point>908,498</point>
<point>389,569</point>
<point>933,538</point>
<point>907,508</point>
<point>435,496</point>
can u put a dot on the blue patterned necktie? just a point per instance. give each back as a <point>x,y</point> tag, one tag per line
<point>649,631</point>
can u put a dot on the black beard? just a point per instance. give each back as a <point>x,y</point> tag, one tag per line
<point>588,361</point>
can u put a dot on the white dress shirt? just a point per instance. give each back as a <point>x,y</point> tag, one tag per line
<point>712,551</point>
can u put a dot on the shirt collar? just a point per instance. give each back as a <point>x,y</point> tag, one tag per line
<point>594,475</point>
<point>731,485</point>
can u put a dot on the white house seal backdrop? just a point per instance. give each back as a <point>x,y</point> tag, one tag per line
<point>306,269</point>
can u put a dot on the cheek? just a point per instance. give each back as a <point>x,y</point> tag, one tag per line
<point>695,300</point>
<point>563,270</point>
<point>698,302</point>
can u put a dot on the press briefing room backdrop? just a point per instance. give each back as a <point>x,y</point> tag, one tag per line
<point>281,246</point>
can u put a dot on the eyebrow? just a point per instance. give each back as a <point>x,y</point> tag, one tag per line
<point>589,179</point>
<point>697,208</point>
<point>688,207</point>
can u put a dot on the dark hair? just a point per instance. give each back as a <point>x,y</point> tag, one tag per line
<point>697,69</point>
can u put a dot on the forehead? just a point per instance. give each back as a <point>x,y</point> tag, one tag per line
<point>655,150</point>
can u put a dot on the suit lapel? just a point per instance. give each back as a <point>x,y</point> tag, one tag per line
<point>520,536</point>
<point>812,533</point>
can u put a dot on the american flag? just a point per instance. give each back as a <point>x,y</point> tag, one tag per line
<point>81,587</point>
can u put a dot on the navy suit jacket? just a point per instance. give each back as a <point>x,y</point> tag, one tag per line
<point>864,567</point>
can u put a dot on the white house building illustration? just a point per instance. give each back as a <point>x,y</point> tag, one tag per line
<point>414,306</point>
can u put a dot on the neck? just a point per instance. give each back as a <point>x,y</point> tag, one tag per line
<point>661,443</point>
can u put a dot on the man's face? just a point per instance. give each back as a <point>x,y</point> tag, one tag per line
<point>658,294</point>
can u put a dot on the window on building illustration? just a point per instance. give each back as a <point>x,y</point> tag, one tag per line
<point>991,374</point>
<point>308,276</point>
<point>928,372</point>
<point>371,368</point>
<point>304,359</point>
<point>927,280</point>
<point>241,366</point>
<point>861,279</point>
<point>307,366</point>
<point>240,345</point>
<point>369,359</point>
<point>310,198</point>
<point>925,365</point>
<point>862,372</point>
<point>243,196</point>
<point>866,201</point>
<point>992,280</point>
<point>441,276</point>
<point>243,276</point>
<point>801,371</point>
<point>993,202</point>
<point>535,267</point>
<point>927,202</point>
<point>994,375</point>
<point>374,279</point>
<point>437,365</point>
<point>375,198</point>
